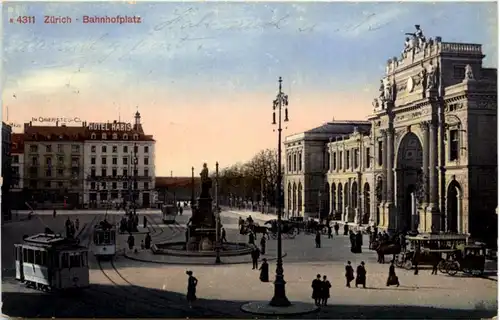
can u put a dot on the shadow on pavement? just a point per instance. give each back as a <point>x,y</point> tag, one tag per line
<point>106,301</point>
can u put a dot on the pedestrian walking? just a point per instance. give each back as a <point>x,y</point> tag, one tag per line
<point>325,291</point>
<point>336,227</point>
<point>330,235</point>
<point>349,274</point>
<point>346,229</point>
<point>317,286</point>
<point>318,239</point>
<point>131,241</point>
<point>251,238</point>
<point>147,241</point>
<point>54,213</point>
<point>392,280</point>
<point>180,210</point>
<point>255,258</point>
<point>77,224</point>
<point>263,244</point>
<point>402,241</point>
<point>223,235</point>
<point>264,271</point>
<point>144,222</point>
<point>435,264</point>
<point>361,275</point>
<point>416,257</point>
<point>191,289</point>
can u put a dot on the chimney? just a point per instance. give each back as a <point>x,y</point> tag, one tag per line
<point>26,126</point>
<point>31,124</point>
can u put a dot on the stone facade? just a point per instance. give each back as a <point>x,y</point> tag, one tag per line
<point>427,161</point>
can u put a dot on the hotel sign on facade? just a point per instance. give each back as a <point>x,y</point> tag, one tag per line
<point>97,126</point>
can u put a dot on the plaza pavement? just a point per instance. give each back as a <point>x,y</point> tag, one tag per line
<point>226,287</point>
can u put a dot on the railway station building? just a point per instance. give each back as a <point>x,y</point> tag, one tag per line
<point>425,160</point>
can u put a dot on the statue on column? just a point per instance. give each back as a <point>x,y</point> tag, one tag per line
<point>206,182</point>
<point>388,96</point>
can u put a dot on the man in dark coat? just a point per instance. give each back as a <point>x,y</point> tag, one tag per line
<point>223,235</point>
<point>352,239</point>
<point>251,238</point>
<point>325,291</point>
<point>147,241</point>
<point>255,258</point>
<point>359,242</point>
<point>318,239</point>
<point>144,222</point>
<point>346,229</point>
<point>361,275</point>
<point>264,271</point>
<point>349,274</point>
<point>263,244</point>
<point>329,230</point>
<point>336,227</point>
<point>317,288</point>
<point>131,241</point>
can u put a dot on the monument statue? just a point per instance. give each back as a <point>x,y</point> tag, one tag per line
<point>387,90</point>
<point>206,182</point>
<point>431,76</point>
<point>469,75</point>
<point>418,38</point>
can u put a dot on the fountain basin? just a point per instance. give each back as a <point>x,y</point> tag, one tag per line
<point>178,249</point>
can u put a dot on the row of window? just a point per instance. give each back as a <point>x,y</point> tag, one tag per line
<point>75,161</point>
<point>114,149</point>
<point>350,159</point>
<point>42,258</point>
<point>49,172</point>
<point>114,172</point>
<point>294,162</point>
<point>60,148</point>
<point>33,184</point>
<point>114,160</point>
<point>103,196</point>
<point>114,185</point>
<point>104,136</point>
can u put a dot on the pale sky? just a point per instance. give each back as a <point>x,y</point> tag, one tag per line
<point>204,75</point>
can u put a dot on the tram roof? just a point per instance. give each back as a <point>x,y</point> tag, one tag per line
<point>47,239</point>
<point>437,237</point>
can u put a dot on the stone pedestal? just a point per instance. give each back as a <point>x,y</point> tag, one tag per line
<point>202,233</point>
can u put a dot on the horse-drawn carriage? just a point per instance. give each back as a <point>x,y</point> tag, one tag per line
<point>289,229</point>
<point>467,258</point>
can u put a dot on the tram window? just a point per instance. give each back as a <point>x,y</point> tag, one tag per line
<point>31,256</point>
<point>74,261</point>
<point>113,236</point>
<point>106,237</point>
<point>38,257</point>
<point>25,255</point>
<point>64,261</point>
<point>83,257</point>
<point>45,260</point>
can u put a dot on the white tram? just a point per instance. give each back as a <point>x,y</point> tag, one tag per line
<point>104,239</point>
<point>52,262</point>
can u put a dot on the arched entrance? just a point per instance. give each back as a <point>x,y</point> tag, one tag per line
<point>333,193</point>
<point>366,202</point>
<point>354,201</point>
<point>325,201</point>
<point>299,199</point>
<point>340,208</point>
<point>289,198</point>
<point>294,199</point>
<point>454,207</point>
<point>409,168</point>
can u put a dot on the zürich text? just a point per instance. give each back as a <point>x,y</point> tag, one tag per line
<point>56,20</point>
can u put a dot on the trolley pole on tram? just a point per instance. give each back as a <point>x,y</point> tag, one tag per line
<point>279,299</point>
<point>217,217</point>
<point>192,188</point>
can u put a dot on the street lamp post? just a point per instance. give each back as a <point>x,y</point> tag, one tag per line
<point>217,219</point>
<point>192,187</point>
<point>135,179</point>
<point>279,299</point>
<point>319,204</point>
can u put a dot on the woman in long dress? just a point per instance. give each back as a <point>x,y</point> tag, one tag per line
<point>264,271</point>
<point>191,290</point>
<point>392,280</point>
<point>361,275</point>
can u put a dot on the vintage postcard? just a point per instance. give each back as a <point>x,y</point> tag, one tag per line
<point>249,159</point>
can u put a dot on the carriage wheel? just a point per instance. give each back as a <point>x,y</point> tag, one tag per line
<point>408,265</point>
<point>442,266</point>
<point>452,268</point>
<point>399,261</point>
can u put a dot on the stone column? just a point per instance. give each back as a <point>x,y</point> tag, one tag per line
<point>424,223</point>
<point>383,221</point>
<point>433,207</point>
<point>389,204</point>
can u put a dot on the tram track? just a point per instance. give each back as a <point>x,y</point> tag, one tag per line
<point>116,278</point>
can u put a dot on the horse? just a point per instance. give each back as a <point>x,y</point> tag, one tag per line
<point>256,229</point>
<point>388,247</point>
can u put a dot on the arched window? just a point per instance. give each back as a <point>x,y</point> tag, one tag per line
<point>115,136</point>
<point>92,136</point>
<point>136,136</point>
<point>125,136</point>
